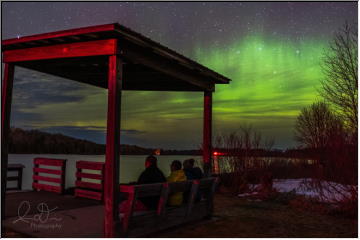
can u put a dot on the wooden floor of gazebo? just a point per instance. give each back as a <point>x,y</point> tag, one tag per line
<point>45,214</point>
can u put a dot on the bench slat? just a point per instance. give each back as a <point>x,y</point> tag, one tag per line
<point>14,167</point>
<point>46,170</point>
<point>175,187</point>
<point>148,190</point>
<point>13,178</point>
<point>145,190</point>
<point>46,179</point>
<point>96,186</point>
<point>89,175</point>
<point>88,194</point>
<point>49,188</point>
<point>163,199</point>
<point>49,161</point>
<point>90,165</point>
<point>192,196</point>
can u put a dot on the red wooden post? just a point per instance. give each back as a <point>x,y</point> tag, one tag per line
<point>5,125</point>
<point>207,132</point>
<point>111,190</point>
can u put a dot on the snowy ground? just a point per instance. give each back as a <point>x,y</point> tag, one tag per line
<point>328,192</point>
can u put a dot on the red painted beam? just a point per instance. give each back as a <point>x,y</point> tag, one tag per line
<point>65,33</point>
<point>7,86</point>
<point>111,185</point>
<point>207,131</point>
<point>79,49</point>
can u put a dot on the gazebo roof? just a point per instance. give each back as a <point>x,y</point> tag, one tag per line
<point>147,65</point>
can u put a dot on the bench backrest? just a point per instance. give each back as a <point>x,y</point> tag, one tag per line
<point>57,176</point>
<point>164,190</point>
<point>175,187</point>
<point>92,189</point>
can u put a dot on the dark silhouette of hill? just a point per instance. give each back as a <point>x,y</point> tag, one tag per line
<point>35,141</point>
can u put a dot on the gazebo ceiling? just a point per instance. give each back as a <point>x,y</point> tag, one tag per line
<point>147,65</point>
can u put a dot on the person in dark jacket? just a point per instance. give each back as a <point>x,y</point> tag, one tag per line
<point>192,172</point>
<point>151,174</point>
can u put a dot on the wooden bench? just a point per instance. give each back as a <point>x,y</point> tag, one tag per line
<point>15,168</point>
<point>57,176</point>
<point>87,189</point>
<point>143,223</point>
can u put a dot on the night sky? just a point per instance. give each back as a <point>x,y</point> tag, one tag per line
<point>271,51</point>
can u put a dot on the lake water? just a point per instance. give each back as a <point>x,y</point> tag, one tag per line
<point>131,166</point>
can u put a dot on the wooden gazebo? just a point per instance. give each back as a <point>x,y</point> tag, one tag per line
<point>114,57</point>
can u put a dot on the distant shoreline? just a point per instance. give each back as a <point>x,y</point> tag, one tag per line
<point>39,142</point>
<point>104,154</point>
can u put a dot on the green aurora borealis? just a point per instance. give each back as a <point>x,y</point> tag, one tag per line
<point>272,51</point>
<point>272,80</point>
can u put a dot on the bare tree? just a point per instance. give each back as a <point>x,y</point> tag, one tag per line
<point>242,156</point>
<point>317,127</point>
<point>340,67</point>
<point>335,175</point>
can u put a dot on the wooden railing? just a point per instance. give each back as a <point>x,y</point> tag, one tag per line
<point>15,168</point>
<point>88,189</point>
<point>57,176</point>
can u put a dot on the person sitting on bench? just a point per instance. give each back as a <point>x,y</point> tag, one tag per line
<point>177,175</point>
<point>191,172</point>
<point>151,174</point>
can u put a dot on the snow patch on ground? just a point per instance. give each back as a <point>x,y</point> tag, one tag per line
<point>328,192</point>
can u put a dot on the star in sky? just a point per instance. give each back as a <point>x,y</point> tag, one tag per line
<point>271,51</point>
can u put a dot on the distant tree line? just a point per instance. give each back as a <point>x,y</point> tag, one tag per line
<point>35,141</point>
